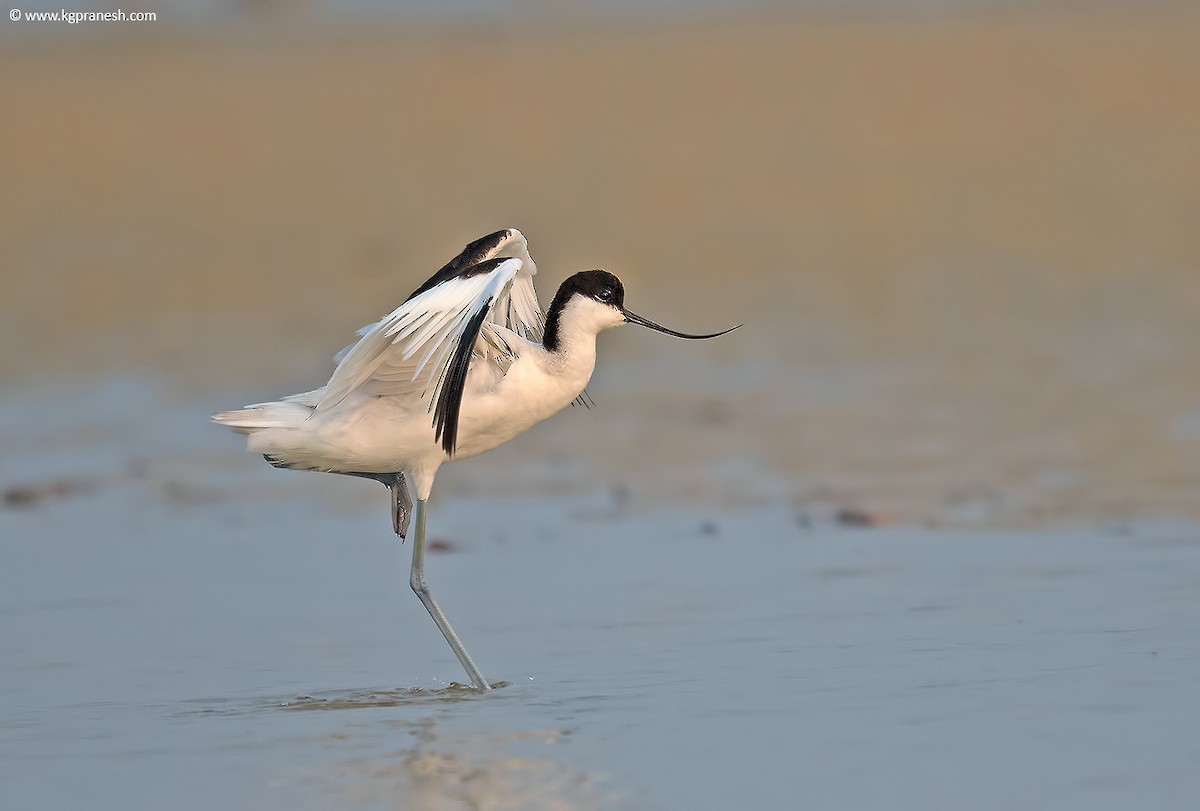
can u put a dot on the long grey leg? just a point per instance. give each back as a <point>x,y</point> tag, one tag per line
<point>417,581</point>
<point>401,505</point>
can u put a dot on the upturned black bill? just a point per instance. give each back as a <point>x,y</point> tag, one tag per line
<point>646,322</point>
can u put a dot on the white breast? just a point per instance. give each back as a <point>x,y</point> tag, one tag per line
<point>536,386</point>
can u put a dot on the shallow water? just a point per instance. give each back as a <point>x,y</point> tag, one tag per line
<point>200,631</point>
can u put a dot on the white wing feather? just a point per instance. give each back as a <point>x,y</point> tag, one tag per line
<point>516,308</point>
<point>407,350</point>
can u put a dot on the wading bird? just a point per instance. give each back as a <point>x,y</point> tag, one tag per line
<point>465,364</point>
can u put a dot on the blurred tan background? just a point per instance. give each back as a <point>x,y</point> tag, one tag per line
<point>965,245</point>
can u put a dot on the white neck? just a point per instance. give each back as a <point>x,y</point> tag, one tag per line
<point>574,355</point>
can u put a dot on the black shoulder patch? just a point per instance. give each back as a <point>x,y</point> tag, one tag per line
<point>466,264</point>
<point>454,381</point>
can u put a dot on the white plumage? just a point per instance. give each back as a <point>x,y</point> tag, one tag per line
<point>373,416</point>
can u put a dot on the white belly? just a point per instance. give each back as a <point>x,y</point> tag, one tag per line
<point>371,434</point>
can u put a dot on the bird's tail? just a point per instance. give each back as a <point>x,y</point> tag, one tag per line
<point>290,412</point>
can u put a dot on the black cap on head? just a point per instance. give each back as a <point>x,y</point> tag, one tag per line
<point>596,284</point>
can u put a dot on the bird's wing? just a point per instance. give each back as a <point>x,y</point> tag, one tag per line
<point>423,349</point>
<point>516,309</point>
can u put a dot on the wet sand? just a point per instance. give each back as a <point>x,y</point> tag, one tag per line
<point>924,530</point>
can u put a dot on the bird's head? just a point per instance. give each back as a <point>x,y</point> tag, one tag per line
<point>594,300</point>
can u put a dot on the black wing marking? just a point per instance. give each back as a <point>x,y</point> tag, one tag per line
<point>449,402</point>
<point>468,263</point>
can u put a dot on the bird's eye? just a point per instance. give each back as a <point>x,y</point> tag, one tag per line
<point>605,295</point>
